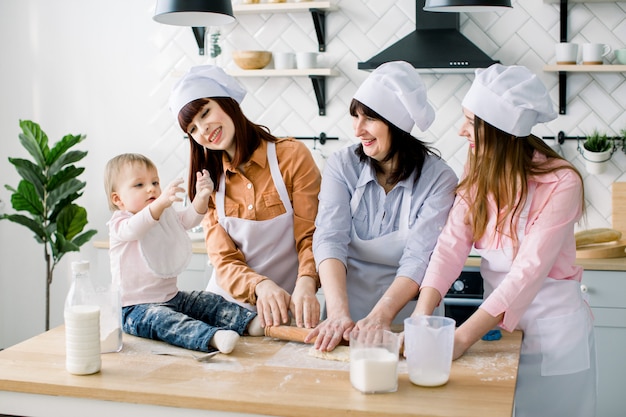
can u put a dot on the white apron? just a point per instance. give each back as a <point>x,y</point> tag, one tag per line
<point>556,373</point>
<point>372,264</point>
<point>268,245</point>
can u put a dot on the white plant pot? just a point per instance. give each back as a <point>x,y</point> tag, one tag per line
<point>595,162</point>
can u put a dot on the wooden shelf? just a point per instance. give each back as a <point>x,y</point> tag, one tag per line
<point>562,70</point>
<point>317,9</point>
<point>287,7</point>
<point>320,72</point>
<point>585,68</point>
<point>317,76</point>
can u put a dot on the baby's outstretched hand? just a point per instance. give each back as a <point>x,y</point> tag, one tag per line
<point>169,194</point>
<point>204,184</point>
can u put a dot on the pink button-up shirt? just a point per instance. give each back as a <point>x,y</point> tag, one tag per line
<point>548,248</point>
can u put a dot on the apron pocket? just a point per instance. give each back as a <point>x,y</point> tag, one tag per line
<point>231,210</point>
<point>273,204</point>
<point>564,343</point>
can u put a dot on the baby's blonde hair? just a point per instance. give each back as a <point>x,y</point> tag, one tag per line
<point>114,168</point>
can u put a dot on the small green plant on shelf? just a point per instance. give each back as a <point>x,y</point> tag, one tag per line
<point>597,142</point>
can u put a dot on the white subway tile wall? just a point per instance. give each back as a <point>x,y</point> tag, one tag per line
<point>357,30</point>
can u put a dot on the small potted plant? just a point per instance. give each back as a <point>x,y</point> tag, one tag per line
<point>597,150</point>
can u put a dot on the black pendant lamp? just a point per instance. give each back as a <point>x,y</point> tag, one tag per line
<point>467,6</point>
<point>195,13</point>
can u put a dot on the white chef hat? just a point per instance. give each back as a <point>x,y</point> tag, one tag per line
<point>396,91</point>
<point>204,81</point>
<point>511,98</point>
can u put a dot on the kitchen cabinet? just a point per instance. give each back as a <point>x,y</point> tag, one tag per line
<point>318,76</point>
<point>606,291</point>
<point>197,274</point>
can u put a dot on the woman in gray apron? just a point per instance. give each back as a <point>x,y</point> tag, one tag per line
<point>518,204</point>
<point>260,221</point>
<point>383,203</point>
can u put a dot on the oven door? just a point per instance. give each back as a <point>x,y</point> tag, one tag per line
<point>465,295</point>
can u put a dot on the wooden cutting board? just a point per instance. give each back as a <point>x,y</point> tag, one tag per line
<point>619,206</point>
<point>611,249</point>
<point>602,250</point>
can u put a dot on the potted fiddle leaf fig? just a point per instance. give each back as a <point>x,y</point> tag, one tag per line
<point>46,195</point>
<point>597,150</point>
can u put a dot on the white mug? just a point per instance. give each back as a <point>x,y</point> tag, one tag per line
<point>566,53</point>
<point>284,60</point>
<point>306,60</point>
<point>594,52</point>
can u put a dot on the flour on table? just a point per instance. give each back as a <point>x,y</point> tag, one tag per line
<point>340,353</point>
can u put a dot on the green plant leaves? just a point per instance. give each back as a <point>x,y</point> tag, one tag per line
<point>26,198</point>
<point>62,160</point>
<point>35,141</point>
<point>30,172</point>
<point>59,150</point>
<point>71,220</point>
<point>46,193</point>
<point>32,224</point>
<point>64,176</point>
<point>597,142</point>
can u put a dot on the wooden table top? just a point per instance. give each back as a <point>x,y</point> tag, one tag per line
<point>261,376</point>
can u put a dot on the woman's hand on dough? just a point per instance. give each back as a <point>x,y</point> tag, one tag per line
<point>329,333</point>
<point>272,303</point>
<point>373,323</point>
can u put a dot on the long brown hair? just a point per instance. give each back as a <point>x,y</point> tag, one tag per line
<point>499,168</point>
<point>248,137</point>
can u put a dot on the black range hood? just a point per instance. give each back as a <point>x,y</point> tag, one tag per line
<point>436,45</point>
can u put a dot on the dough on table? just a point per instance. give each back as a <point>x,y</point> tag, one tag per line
<point>340,353</point>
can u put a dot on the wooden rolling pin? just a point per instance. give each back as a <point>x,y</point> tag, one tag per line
<point>297,334</point>
<point>289,333</point>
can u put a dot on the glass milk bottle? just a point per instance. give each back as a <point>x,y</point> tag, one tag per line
<point>82,324</point>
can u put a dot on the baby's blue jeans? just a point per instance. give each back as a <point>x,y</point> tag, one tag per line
<point>188,320</point>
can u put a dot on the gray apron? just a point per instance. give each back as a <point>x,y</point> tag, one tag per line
<point>372,264</point>
<point>268,245</point>
<point>557,342</point>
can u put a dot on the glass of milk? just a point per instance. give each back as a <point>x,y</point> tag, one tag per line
<point>428,347</point>
<point>374,361</point>
<point>110,302</point>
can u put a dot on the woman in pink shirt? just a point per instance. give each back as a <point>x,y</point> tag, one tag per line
<point>517,204</point>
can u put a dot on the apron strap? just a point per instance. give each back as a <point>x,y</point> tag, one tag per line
<point>272,160</point>
<point>277,176</point>
<point>219,197</point>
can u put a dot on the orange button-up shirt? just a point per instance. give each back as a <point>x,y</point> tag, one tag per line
<point>250,194</point>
